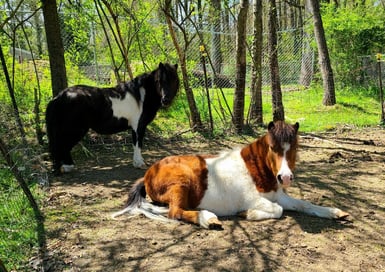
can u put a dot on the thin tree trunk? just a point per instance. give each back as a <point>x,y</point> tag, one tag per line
<point>55,46</point>
<point>195,119</point>
<point>278,110</point>
<point>329,98</point>
<point>256,110</point>
<point>240,82</point>
<point>216,53</point>
<point>13,99</point>
<point>37,213</point>
<point>118,38</point>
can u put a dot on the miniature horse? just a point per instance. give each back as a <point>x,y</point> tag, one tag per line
<point>108,110</point>
<point>249,182</point>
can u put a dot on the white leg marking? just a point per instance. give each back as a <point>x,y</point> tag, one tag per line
<point>264,209</point>
<point>138,160</point>
<point>66,168</point>
<point>292,204</point>
<point>206,217</point>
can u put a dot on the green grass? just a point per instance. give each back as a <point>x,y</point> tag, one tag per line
<point>18,237</point>
<point>357,108</point>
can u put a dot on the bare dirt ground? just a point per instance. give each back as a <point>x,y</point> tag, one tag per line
<point>343,168</point>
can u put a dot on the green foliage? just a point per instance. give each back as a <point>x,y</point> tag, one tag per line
<point>353,32</point>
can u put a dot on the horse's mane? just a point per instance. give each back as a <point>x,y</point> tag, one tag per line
<point>281,132</point>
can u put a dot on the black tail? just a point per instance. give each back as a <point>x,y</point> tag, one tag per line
<point>50,126</point>
<point>137,193</point>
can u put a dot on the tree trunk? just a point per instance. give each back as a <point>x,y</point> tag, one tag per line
<point>216,53</point>
<point>55,46</point>
<point>329,98</point>
<point>195,119</point>
<point>256,110</point>
<point>278,111</point>
<point>240,82</point>
<point>307,65</point>
<point>13,98</point>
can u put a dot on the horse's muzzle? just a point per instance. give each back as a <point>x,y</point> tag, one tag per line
<point>165,101</point>
<point>285,180</point>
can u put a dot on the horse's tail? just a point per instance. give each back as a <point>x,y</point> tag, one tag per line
<point>50,125</point>
<point>137,204</point>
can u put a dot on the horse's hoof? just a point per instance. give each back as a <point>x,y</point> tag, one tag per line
<point>341,215</point>
<point>215,224</point>
<point>140,166</point>
<point>67,168</point>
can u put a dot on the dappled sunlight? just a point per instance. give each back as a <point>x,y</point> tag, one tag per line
<point>82,235</point>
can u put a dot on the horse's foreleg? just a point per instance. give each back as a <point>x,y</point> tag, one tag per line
<point>137,143</point>
<point>263,209</point>
<point>293,204</point>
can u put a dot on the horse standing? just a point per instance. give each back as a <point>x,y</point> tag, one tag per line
<point>133,104</point>
<point>249,182</point>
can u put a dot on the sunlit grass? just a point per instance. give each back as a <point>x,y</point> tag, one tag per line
<point>358,108</point>
<point>18,236</point>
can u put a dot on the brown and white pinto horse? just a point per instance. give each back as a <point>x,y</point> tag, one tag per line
<point>249,182</point>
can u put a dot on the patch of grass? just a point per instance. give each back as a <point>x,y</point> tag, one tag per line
<point>359,108</point>
<point>352,109</point>
<point>18,236</point>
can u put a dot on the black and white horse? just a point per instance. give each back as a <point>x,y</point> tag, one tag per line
<point>133,104</point>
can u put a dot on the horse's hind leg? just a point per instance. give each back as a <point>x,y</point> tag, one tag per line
<point>178,203</point>
<point>67,141</point>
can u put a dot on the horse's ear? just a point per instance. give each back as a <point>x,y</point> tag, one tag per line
<point>161,65</point>
<point>270,126</point>
<point>176,66</point>
<point>296,126</point>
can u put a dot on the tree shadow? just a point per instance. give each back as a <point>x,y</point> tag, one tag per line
<point>142,244</point>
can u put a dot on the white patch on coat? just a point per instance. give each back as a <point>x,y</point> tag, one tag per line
<point>230,187</point>
<point>72,95</point>
<point>129,108</point>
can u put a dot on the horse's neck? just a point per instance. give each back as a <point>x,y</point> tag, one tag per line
<point>254,156</point>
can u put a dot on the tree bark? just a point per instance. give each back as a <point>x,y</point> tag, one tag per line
<point>256,109</point>
<point>55,46</point>
<point>216,53</point>
<point>307,64</point>
<point>195,119</point>
<point>329,98</point>
<point>240,82</point>
<point>278,110</point>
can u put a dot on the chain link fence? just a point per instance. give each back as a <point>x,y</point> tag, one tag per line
<point>90,49</point>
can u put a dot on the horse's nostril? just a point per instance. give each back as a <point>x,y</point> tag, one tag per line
<point>279,177</point>
<point>165,101</point>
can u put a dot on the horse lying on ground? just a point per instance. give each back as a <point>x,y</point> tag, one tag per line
<point>249,181</point>
<point>133,104</point>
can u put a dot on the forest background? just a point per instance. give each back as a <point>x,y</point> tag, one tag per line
<point>241,64</point>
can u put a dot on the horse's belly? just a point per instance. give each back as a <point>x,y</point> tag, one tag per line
<point>112,126</point>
